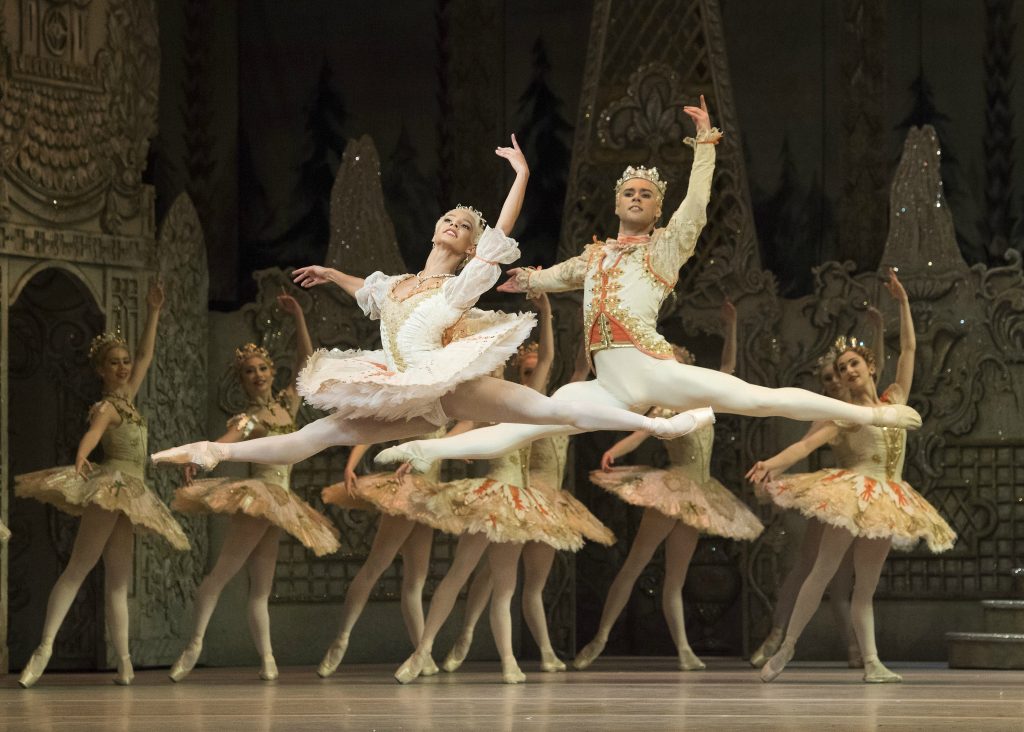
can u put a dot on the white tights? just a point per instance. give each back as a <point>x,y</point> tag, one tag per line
<point>485,400</point>
<point>538,559</point>
<point>629,379</point>
<point>106,534</point>
<point>868,557</point>
<point>680,542</point>
<point>394,534</point>
<point>839,588</point>
<point>249,541</point>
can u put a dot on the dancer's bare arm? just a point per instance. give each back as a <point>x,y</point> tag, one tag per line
<point>101,417</point>
<point>314,275</point>
<point>773,467</point>
<point>623,447</point>
<point>908,340</point>
<point>729,329</point>
<point>877,335</point>
<point>514,201</point>
<point>354,456</point>
<point>147,345</point>
<point>303,342</point>
<point>546,346</point>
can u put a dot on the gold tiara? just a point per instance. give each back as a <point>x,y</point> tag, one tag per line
<point>529,349</point>
<point>249,350</point>
<point>649,174</point>
<point>475,212</point>
<point>103,343</point>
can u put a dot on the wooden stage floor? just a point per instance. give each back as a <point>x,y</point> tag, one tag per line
<point>615,694</point>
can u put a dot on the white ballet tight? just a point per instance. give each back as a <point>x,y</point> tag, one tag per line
<point>248,541</point>
<point>394,534</point>
<point>680,542</point>
<point>868,558</point>
<point>839,588</point>
<point>538,559</point>
<point>485,400</point>
<point>106,534</point>
<point>629,379</point>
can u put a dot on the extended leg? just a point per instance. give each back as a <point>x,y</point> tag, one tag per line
<point>679,548</point>
<point>537,560</point>
<point>654,529</point>
<point>868,557</point>
<point>94,530</point>
<point>476,602</point>
<point>834,543</point>
<point>467,555</point>
<point>262,562</point>
<point>635,378</point>
<point>243,534</point>
<point>117,571</point>
<point>392,533</point>
<point>504,563</point>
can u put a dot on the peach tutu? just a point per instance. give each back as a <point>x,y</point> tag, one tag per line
<point>263,500</point>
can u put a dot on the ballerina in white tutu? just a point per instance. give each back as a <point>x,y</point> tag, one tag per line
<point>437,352</point>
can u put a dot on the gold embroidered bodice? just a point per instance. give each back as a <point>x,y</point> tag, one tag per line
<point>125,445</point>
<point>511,468</point>
<point>624,286</point>
<point>878,452</point>
<point>279,475</point>
<point>691,453</point>
<point>547,460</point>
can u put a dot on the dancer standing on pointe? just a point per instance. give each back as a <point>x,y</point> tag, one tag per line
<point>864,503</point>
<point>546,473</point>
<point>841,586</point>
<point>679,503</point>
<point>112,498</point>
<point>425,373</point>
<point>401,529</point>
<point>259,506</point>
<point>624,282</point>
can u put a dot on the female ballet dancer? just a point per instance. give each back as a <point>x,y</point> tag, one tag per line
<point>546,473</point>
<point>401,529</point>
<point>841,586</point>
<point>679,503</point>
<point>624,281</point>
<point>112,497</point>
<point>864,503</point>
<point>259,507</point>
<point>426,373</point>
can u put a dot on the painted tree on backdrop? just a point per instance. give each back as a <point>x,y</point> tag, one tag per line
<point>542,133</point>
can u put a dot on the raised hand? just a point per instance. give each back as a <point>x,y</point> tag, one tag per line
<point>728,312</point>
<point>512,283</point>
<point>875,316</point>
<point>699,115</point>
<point>312,275</point>
<point>514,156</point>
<point>289,304</point>
<point>155,296</point>
<point>895,287</point>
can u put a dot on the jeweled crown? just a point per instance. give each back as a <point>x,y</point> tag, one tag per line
<point>475,212</point>
<point>103,343</point>
<point>529,349</point>
<point>250,350</point>
<point>649,174</point>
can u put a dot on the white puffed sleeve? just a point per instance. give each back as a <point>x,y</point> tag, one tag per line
<point>482,270</point>
<point>370,296</point>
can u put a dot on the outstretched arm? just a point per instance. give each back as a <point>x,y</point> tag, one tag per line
<point>546,346</point>
<point>729,346</point>
<point>514,200</point>
<point>314,275</point>
<point>908,340</point>
<point>773,467</point>
<point>303,343</point>
<point>147,345</point>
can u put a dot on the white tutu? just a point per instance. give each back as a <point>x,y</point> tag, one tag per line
<point>433,340</point>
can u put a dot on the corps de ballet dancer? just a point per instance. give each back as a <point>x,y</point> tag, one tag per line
<point>624,282</point>
<point>426,373</point>
<point>111,497</point>
<point>680,503</point>
<point>841,586</point>
<point>864,502</point>
<point>546,466</point>
<point>259,507</point>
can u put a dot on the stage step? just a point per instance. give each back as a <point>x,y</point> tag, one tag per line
<point>986,650</point>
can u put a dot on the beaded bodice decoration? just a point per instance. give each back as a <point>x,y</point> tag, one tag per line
<point>878,452</point>
<point>511,468</point>
<point>691,453</point>
<point>547,460</point>
<point>395,314</point>
<point>125,444</point>
<point>252,426</point>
